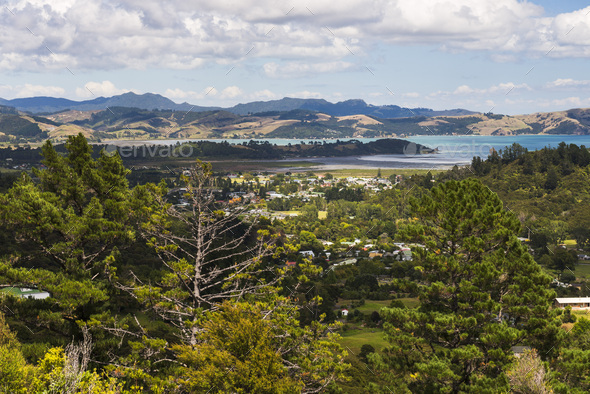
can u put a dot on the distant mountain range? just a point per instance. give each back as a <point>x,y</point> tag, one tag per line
<point>151,116</point>
<point>149,101</point>
<point>47,105</point>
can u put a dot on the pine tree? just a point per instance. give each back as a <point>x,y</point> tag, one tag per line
<point>480,294</point>
<point>71,219</point>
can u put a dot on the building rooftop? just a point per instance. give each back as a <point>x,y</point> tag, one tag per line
<point>24,292</point>
<point>572,300</point>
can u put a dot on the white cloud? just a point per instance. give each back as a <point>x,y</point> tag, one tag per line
<point>567,83</point>
<point>569,102</point>
<point>98,89</point>
<point>231,92</point>
<point>263,95</point>
<point>463,89</point>
<point>187,95</point>
<point>294,40</point>
<point>208,91</point>
<point>178,94</point>
<point>29,90</point>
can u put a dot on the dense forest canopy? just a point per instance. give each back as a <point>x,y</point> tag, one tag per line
<point>191,281</point>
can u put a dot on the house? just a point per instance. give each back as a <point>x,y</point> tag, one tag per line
<point>573,302</point>
<point>307,253</point>
<point>345,262</point>
<point>25,292</point>
<point>404,254</point>
<point>272,195</point>
<point>375,253</point>
<point>344,312</point>
<point>557,283</point>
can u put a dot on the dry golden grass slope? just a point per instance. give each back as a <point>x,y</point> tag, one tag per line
<point>360,119</point>
<point>505,126</point>
<point>70,116</point>
<point>223,124</point>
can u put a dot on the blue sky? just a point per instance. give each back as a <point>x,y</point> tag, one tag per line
<point>504,56</point>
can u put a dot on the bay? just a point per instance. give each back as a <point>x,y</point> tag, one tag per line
<point>452,150</point>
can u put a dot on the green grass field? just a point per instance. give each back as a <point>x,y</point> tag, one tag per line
<point>581,313</point>
<point>353,339</point>
<point>10,171</point>
<point>582,271</point>
<point>370,306</point>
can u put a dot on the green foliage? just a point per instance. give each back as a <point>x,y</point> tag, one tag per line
<point>59,371</point>
<point>15,375</point>
<point>366,349</point>
<point>480,294</point>
<point>552,180</point>
<point>79,209</point>
<point>20,127</point>
<point>563,259</point>
<point>308,240</point>
<point>235,354</point>
<point>567,277</point>
<point>68,224</point>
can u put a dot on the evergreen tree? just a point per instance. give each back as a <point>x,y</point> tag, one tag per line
<point>480,294</point>
<point>552,180</point>
<point>71,220</point>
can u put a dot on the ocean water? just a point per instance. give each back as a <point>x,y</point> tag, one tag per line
<point>452,150</point>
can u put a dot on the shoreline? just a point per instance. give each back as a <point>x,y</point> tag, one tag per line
<point>298,140</point>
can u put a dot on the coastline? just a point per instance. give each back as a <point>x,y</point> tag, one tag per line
<point>452,150</point>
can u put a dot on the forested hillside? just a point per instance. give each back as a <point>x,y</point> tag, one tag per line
<point>276,283</point>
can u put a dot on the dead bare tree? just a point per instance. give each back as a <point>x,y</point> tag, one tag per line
<point>211,252</point>
<point>214,252</point>
<point>76,358</point>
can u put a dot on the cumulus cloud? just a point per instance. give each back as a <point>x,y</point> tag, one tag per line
<point>567,83</point>
<point>187,95</point>
<point>102,34</point>
<point>263,95</point>
<point>569,102</point>
<point>178,94</point>
<point>231,92</point>
<point>98,89</point>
